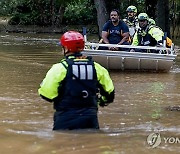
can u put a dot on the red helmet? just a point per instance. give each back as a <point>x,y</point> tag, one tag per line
<point>73,41</point>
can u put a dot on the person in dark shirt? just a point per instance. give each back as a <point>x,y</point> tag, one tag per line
<point>115,31</point>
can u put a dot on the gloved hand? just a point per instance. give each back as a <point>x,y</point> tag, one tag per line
<point>132,50</point>
<point>102,102</point>
<point>159,45</point>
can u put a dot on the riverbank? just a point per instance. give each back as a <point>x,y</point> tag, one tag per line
<point>92,29</point>
<point>5,27</point>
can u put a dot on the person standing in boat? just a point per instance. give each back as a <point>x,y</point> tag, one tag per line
<point>115,31</point>
<point>131,20</point>
<point>148,34</point>
<point>72,85</point>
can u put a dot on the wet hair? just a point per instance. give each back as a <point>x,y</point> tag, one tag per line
<point>116,11</point>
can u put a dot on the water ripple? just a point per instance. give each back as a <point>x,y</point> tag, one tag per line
<point>10,99</point>
<point>42,134</point>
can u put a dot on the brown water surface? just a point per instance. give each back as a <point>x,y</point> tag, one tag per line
<point>140,106</point>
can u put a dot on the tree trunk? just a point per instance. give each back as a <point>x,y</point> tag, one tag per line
<point>102,15</point>
<point>163,16</point>
<point>52,10</point>
<point>150,8</point>
<point>60,15</point>
<point>175,19</point>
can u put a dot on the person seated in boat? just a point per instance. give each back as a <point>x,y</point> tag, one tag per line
<point>152,21</point>
<point>115,31</point>
<point>131,20</point>
<point>147,34</point>
<point>168,40</point>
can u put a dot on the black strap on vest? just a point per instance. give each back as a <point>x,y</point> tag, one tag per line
<point>78,80</point>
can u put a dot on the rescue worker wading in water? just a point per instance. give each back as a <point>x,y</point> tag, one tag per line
<point>73,86</point>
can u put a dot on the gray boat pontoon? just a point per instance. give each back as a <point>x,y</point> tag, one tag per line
<point>124,60</point>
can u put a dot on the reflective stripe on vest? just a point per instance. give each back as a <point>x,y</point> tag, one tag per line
<point>83,72</point>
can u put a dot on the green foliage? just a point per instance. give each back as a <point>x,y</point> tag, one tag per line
<point>39,12</point>
<point>140,4</point>
<point>78,13</point>
<point>31,12</point>
<point>7,7</point>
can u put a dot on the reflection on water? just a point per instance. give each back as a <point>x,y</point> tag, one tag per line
<point>140,107</point>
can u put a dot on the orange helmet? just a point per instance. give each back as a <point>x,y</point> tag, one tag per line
<point>73,41</point>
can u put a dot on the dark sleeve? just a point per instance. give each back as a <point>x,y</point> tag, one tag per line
<point>106,26</point>
<point>125,28</point>
<point>45,98</point>
<point>109,96</point>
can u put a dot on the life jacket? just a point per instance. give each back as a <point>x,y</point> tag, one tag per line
<point>168,42</point>
<point>79,88</point>
<point>131,23</point>
<point>133,26</point>
<point>144,38</point>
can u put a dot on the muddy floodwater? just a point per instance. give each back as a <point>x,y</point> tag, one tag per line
<point>146,103</point>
